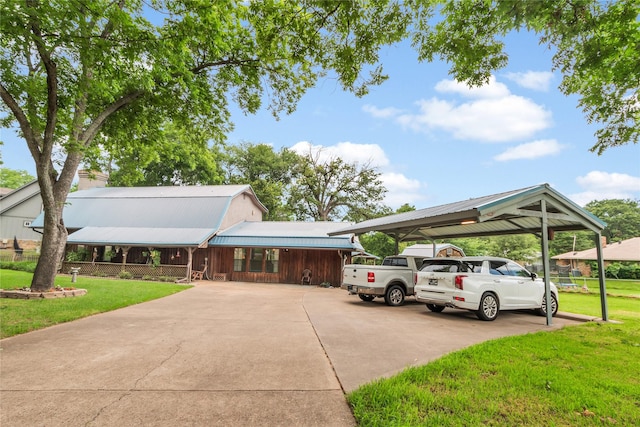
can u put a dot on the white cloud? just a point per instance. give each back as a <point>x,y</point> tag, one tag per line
<point>535,80</point>
<point>400,189</point>
<point>493,89</point>
<point>381,113</point>
<point>530,150</point>
<point>603,185</point>
<point>347,151</point>
<point>493,114</point>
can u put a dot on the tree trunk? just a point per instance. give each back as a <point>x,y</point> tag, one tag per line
<point>54,238</point>
<point>51,250</point>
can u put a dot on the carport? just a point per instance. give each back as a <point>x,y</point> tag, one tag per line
<point>539,210</point>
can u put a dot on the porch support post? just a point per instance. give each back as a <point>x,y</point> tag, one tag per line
<point>601,278</point>
<point>545,260</point>
<point>125,251</point>
<point>189,263</point>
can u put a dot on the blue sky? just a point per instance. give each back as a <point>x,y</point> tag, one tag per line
<point>436,141</point>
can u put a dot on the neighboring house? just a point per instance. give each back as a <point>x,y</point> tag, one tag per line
<point>623,251</point>
<point>197,231</point>
<point>18,208</point>
<point>442,250</point>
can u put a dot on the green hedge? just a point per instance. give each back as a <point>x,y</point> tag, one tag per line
<point>28,266</point>
<point>618,270</point>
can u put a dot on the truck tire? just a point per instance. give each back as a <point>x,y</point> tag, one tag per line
<point>489,307</point>
<point>367,298</point>
<point>435,308</point>
<point>394,296</point>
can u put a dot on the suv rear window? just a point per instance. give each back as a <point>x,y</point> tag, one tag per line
<point>450,266</point>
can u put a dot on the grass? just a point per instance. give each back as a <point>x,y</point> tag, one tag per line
<point>20,316</point>
<point>582,375</point>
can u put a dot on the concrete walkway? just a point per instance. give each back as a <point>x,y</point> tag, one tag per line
<point>228,354</point>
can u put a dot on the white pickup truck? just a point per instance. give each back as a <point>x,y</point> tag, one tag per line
<point>393,280</point>
<point>484,285</point>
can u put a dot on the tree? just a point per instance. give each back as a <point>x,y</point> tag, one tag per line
<point>596,47</point>
<point>268,172</point>
<point>329,189</point>
<point>570,241</point>
<point>621,216</point>
<point>12,178</point>
<point>73,71</point>
<point>178,157</point>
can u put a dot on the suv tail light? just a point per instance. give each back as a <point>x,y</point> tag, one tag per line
<point>415,278</point>
<point>458,282</point>
<point>371,276</point>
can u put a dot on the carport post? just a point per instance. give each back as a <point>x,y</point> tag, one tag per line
<point>545,260</point>
<point>601,278</point>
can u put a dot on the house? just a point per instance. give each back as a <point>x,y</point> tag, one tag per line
<point>213,232</point>
<point>623,251</point>
<point>441,250</point>
<point>18,208</point>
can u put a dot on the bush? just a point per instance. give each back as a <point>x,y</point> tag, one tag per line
<point>28,266</point>
<point>623,270</point>
<point>125,275</point>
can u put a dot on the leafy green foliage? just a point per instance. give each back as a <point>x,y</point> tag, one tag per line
<point>622,217</point>
<point>175,157</point>
<point>269,173</point>
<point>11,178</point>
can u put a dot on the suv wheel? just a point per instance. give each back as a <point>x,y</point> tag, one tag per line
<point>489,307</point>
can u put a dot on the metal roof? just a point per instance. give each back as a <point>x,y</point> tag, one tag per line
<point>271,234</point>
<point>149,216</point>
<point>512,212</point>
<point>427,250</point>
<point>141,236</point>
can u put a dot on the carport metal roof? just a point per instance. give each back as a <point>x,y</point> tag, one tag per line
<point>539,210</point>
<point>512,212</point>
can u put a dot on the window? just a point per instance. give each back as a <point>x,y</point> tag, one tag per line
<point>517,270</point>
<point>256,260</point>
<point>239,259</point>
<point>255,263</point>
<point>499,268</point>
<point>271,264</point>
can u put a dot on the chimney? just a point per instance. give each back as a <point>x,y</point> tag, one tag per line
<point>91,179</point>
<point>603,241</point>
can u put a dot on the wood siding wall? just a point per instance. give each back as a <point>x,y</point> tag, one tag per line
<point>325,266</point>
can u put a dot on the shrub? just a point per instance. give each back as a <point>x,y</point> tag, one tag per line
<point>28,266</point>
<point>125,275</point>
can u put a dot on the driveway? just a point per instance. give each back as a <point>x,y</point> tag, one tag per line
<point>228,353</point>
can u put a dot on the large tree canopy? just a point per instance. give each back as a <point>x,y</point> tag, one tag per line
<point>73,70</point>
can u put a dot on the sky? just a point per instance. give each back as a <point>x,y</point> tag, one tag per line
<point>436,141</point>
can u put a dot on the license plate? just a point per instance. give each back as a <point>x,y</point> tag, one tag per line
<point>433,282</point>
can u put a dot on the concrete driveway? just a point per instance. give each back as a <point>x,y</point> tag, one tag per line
<point>228,353</point>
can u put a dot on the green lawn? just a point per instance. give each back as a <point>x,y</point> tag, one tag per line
<point>20,316</point>
<point>586,375</point>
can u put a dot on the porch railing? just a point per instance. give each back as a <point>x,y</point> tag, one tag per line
<point>113,270</point>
